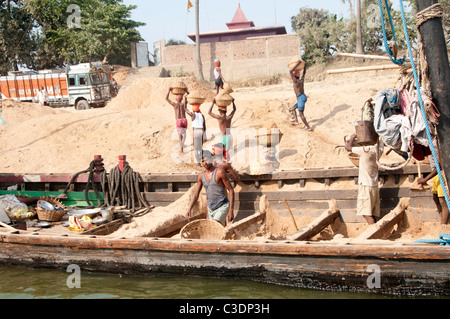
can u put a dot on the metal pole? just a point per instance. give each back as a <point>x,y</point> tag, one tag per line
<point>198,62</point>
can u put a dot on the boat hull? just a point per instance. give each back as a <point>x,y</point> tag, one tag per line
<point>378,267</point>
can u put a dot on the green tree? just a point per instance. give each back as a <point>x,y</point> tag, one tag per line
<point>85,30</point>
<point>318,31</point>
<point>17,42</point>
<point>107,31</point>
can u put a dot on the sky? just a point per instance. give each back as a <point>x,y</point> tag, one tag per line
<point>169,19</point>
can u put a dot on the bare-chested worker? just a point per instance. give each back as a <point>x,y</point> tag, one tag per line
<point>299,89</point>
<point>180,116</point>
<point>224,124</point>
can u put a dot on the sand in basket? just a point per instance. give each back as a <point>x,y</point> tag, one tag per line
<point>227,88</point>
<point>203,229</point>
<point>179,89</point>
<point>294,61</point>
<point>196,98</point>
<point>223,100</point>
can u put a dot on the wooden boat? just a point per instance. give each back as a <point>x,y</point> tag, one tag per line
<point>358,265</point>
<point>374,267</point>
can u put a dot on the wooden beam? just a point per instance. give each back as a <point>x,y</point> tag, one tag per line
<point>244,224</point>
<point>318,224</point>
<point>364,56</point>
<point>365,68</point>
<point>384,226</point>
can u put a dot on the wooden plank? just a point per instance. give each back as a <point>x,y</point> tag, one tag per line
<point>384,226</point>
<point>106,229</point>
<point>318,224</point>
<point>244,223</point>
<point>365,68</point>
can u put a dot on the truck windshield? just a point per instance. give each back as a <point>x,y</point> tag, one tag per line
<point>95,79</point>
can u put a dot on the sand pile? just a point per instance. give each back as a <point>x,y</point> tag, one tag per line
<point>148,93</point>
<point>160,218</point>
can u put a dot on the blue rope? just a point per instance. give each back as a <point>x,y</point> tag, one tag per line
<point>424,116</point>
<point>385,40</point>
<point>444,240</point>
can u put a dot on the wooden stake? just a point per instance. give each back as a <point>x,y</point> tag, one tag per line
<point>292,215</point>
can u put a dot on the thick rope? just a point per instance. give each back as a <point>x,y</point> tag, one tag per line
<point>123,190</point>
<point>434,11</point>
<point>91,170</point>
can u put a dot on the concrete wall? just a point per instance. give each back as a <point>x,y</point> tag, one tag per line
<point>241,60</point>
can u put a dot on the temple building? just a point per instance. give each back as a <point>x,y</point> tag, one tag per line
<point>238,29</point>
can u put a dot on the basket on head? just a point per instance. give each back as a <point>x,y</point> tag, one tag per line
<point>51,215</point>
<point>223,100</point>
<point>196,98</point>
<point>294,61</point>
<point>227,88</point>
<point>203,229</point>
<point>179,89</point>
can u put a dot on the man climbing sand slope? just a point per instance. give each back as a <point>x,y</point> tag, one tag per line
<point>299,89</point>
<point>180,115</point>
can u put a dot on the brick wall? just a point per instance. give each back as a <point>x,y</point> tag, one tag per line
<point>241,60</point>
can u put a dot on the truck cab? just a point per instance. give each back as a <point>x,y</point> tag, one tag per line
<point>87,86</point>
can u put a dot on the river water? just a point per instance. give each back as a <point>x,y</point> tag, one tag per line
<point>26,283</point>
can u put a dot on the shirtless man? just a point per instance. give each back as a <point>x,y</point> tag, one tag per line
<point>299,89</point>
<point>215,181</point>
<point>224,124</point>
<point>180,116</point>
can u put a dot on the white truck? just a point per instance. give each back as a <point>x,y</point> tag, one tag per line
<point>82,86</point>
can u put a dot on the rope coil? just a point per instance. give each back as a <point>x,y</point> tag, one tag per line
<point>434,11</point>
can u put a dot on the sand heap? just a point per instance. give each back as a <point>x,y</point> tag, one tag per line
<point>140,124</point>
<point>160,218</point>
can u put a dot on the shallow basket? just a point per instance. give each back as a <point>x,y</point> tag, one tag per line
<point>294,62</point>
<point>203,229</point>
<point>196,100</point>
<point>51,215</point>
<point>178,91</point>
<point>354,159</point>
<point>31,210</point>
<point>223,103</point>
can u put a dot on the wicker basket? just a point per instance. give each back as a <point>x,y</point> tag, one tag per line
<point>196,98</point>
<point>51,215</point>
<point>223,100</point>
<point>203,229</point>
<point>179,89</point>
<point>18,219</point>
<point>354,158</point>
<point>227,88</point>
<point>294,61</point>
